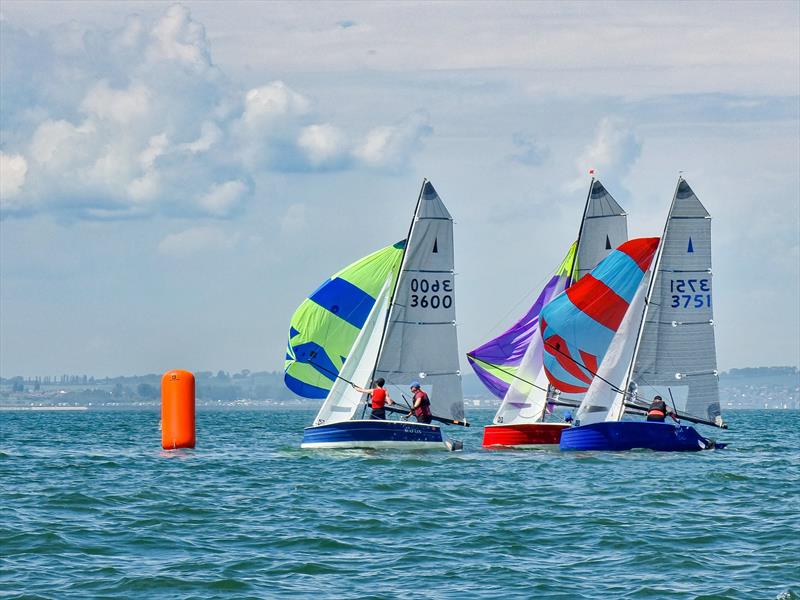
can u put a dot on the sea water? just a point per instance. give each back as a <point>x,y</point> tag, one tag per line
<point>91,507</point>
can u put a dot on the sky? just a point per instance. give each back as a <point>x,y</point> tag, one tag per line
<point>176,178</point>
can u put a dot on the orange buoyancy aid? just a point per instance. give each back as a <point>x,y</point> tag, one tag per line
<point>378,398</point>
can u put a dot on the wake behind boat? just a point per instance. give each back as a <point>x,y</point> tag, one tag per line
<point>390,315</point>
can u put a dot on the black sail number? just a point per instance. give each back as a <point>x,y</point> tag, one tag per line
<point>431,293</point>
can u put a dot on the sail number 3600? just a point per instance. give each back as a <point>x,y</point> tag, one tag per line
<point>690,299</point>
<point>431,294</point>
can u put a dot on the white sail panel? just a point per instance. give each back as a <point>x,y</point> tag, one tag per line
<point>603,401</point>
<point>523,402</point>
<point>342,400</point>
<point>677,351</point>
<point>420,342</point>
<point>604,227</point>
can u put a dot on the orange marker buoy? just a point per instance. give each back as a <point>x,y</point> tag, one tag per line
<point>177,410</point>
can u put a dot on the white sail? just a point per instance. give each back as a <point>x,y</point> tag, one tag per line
<point>343,401</point>
<point>524,402</point>
<point>420,342</point>
<point>677,358</point>
<point>602,402</point>
<point>604,228</point>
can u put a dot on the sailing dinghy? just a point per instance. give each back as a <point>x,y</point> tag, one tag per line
<point>663,346</point>
<point>511,365</point>
<point>390,315</point>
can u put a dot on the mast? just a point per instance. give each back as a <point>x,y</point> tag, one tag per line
<point>580,232</point>
<point>397,280</point>
<point>647,299</point>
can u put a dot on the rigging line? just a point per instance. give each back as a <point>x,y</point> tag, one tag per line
<point>592,373</point>
<point>513,375</point>
<point>528,294</point>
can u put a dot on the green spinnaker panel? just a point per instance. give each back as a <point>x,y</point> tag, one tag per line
<point>325,326</point>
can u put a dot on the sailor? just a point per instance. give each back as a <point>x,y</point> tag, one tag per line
<point>658,411</point>
<point>379,398</point>
<point>421,407</point>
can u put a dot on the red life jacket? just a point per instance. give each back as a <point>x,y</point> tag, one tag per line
<point>378,398</point>
<point>424,408</point>
<point>658,410</point>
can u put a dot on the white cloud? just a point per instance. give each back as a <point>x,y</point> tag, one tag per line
<point>176,37</point>
<point>105,132</point>
<point>276,99</point>
<point>222,199</point>
<point>196,240</point>
<point>612,153</point>
<point>323,144</point>
<point>13,169</point>
<point>392,146</point>
<point>210,134</point>
<point>122,106</point>
<point>294,219</point>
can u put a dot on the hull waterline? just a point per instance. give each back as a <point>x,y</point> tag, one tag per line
<point>630,435</point>
<point>374,434</point>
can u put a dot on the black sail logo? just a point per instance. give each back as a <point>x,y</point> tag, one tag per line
<point>436,245</point>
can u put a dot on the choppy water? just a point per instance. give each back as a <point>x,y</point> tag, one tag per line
<point>91,507</point>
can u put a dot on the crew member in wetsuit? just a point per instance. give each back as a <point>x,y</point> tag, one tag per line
<point>379,398</point>
<point>659,410</point>
<point>421,407</point>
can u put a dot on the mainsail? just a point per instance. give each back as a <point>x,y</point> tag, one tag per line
<point>343,400</point>
<point>420,341</point>
<point>578,326</point>
<point>676,356</point>
<point>604,227</point>
<point>325,326</point>
<point>498,362</point>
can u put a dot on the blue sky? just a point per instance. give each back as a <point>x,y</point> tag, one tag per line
<point>176,178</point>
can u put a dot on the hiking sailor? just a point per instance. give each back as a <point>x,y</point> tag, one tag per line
<point>378,396</point>
<point>659,410</point>
<point>421,407</point>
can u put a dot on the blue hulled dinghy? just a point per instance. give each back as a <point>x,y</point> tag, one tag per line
<point>663,345</point>
<point>390,315</point>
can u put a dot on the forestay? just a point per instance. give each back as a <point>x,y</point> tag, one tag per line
<point>420,342</point>
<point>343,400</point>
<point>677,352</point>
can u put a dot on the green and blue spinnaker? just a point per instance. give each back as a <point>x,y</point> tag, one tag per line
<point>325,326</point>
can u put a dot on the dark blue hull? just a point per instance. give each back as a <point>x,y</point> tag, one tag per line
<point>374,434</point>
<point>628,435</point>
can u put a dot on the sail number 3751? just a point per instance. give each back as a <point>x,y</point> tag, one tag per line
<point>431,294</point>
<point>690,293</point>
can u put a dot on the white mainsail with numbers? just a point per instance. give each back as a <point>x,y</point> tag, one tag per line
<point>666,344</point>
<point>420,342</point>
